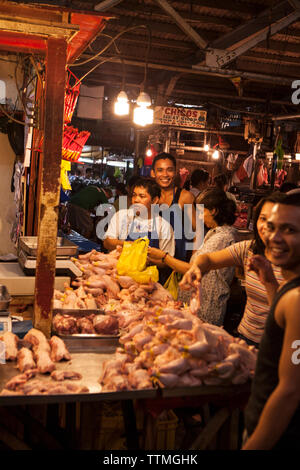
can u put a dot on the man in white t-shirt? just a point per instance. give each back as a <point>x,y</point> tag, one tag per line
<point>141,220</point>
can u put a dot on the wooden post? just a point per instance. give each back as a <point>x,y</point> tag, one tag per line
<point>50,186</point>
<point>254,168</point>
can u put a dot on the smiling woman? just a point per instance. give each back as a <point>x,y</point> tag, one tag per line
<point>261,278</point>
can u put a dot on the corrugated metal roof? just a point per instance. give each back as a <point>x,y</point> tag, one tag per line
<point>170,53</point>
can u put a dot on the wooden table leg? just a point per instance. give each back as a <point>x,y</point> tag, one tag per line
<point>132,437</point>
<point>210,430</point>
<point>71,425</point>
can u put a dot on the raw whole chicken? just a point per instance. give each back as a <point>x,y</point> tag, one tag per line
<point>85,326</point>
<point>38,340</point>
<point>162,341</point>
<point>106,324</point>
<point>64,324</point>
<point>25,360</point>
<point>11,345</point>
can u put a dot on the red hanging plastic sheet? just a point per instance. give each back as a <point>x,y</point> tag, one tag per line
<point>73,143</point>
<point>71,96</point>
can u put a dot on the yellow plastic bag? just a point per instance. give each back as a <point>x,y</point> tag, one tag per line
<point>133,260</point>
<point>171,284</point>
<point>144,277</point>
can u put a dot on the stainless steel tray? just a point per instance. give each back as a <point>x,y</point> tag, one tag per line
<point>89,366</point>
<point>64,246</point>
<point>5,298</point>
<point>90,343</point>
<point>78,312</point>
<point>84,341</point>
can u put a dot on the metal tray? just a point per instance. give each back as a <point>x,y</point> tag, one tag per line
<point>89,366</point>
<point>90,343</point>
<point>84,341</point>
<point>64,246</point>
<point>78,312</point>
<point>5,298</point>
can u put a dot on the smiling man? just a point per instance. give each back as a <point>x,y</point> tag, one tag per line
<point>173,200</point>
<point>272,415</point>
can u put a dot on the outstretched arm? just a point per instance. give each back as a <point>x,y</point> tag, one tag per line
<point>205,263</point>
<point>161,259</point>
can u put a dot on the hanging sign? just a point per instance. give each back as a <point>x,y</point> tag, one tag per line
<point>231,120</point>
<point>183,117</point>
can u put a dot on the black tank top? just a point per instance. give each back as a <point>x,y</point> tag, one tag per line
<point>266,372</point>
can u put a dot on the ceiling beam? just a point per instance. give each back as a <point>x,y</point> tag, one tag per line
<point>278,47</point>
<point>240,7</point>
<point>99,80</point>
<point>295,4</point>
<point>132,8</point>
<point>241,34</point>
<point>250,34</point>
<point>230,55</point>
<point>289,72</point>
<point>183,25</point>
<point>271,59</point>
<point>106,4</point>
<point>156,27</point>
<point>203,70</point>
<point>155,42</point>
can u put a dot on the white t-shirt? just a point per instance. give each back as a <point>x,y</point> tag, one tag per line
<point>124,222</point>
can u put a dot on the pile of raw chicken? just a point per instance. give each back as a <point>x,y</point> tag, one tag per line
<point>162,341</point>
<point>36,355</point>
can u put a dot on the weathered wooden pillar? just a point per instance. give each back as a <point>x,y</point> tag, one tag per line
<point>50,186</point>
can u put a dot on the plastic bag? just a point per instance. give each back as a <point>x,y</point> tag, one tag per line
<point>171,284</point>
<point>144,277</point>
<point>133,260</point>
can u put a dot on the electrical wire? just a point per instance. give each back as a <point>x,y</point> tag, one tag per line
<point>108,45</point>
<point>10,116</point>
<point>18,90</point>
<point>121,59</point>
<point>111,37</point>
<point>92,69</point>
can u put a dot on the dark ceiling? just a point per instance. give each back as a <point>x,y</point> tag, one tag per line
<point>189,51</point>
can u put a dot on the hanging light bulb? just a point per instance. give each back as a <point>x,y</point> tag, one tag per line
<point>216,155</point>
<point>142,114</point>
<point>149,152</point>
<point>206,148</point>
<point>121,104</point>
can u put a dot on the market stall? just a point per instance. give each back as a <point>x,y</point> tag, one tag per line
<point>96,333</point>
<point>136,343</point>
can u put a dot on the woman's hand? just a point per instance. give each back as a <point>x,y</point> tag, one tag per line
<point>263,269</point>
<point>192,278</point>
